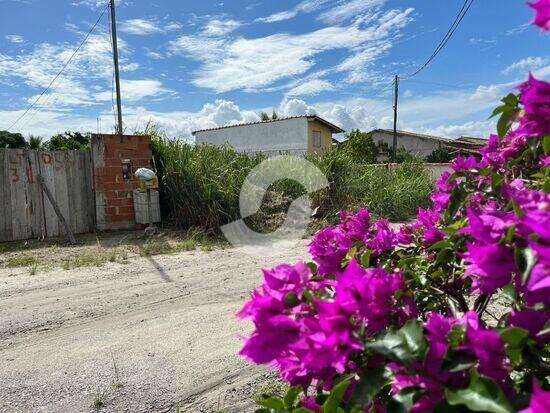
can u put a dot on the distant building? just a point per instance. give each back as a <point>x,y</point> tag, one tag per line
<point>421,145</point>
<point>308,134</point>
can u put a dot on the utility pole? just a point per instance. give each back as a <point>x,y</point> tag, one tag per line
<point>395,94</point>
<point>117,74</point>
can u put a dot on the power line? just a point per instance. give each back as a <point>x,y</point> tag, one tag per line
<point>439,84</point>
<point>62,69</point>
<point>458,19</point>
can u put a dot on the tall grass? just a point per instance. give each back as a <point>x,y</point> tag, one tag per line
<point>200,186</point>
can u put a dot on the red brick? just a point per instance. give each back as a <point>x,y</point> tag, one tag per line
<point>120,202</point>
<point>122,210</point>
<point>120,218</point>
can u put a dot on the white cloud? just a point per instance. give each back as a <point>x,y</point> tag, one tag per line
<point>278,17</point>
<point>135,90</point>
<point>220,27</point>
<point>230,64</point>
<point>442,114</point>
<point>140,27</point>
<point>306,6</point>
<point>527,64</point>
<point>349,9</point>
<point>14,38</point>
<point>311,87</point>
<point>86,80</point>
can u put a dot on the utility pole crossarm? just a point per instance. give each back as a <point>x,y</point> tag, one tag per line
<point>117,74</point>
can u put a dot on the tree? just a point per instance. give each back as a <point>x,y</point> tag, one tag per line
<point>11,140</point>
<point>440,155</point>
<point>35,143</point>
<point>264,116</point>
<point>360,146</point>
<point>68,141</point>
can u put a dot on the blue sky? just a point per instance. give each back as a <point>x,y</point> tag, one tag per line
<point>188,65</point>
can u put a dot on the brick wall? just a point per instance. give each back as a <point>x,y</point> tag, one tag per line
<point>113,193</point>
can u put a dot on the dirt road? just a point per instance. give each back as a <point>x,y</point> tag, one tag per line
<point>142,336</point>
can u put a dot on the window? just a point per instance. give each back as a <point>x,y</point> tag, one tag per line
<point>316,139</point>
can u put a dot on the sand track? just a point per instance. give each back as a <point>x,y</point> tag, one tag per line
<point>144,336</point>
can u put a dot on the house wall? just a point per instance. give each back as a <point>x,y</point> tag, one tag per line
<point>417,146</point>
<point>289,136</point>
<point>326,137</point>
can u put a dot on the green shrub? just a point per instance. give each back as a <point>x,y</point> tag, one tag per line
<point>200,186</point>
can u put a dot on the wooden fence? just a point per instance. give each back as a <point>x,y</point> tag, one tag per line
<point>25,211</point>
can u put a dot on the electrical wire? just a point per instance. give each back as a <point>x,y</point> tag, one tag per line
<point>62,69</point>
<point>458,19</point>
<point>439,84</point>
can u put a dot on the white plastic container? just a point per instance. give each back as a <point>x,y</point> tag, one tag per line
<point>141,206</point>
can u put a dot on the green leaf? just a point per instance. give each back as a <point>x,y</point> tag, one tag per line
<point>291,299</point>
<point>402,345</point>
<point>510,292</point>
<point>515,338</point>
<point>271,402</point>
<point>458,196</point>
<point>413,333</point>
<point>301,410</point>
<point>291,396</point>
<point>530,261</point>
<point>370,382</point>
<point>401,402</point>
<point>365,259</point>
<point>336,396</point>
<point>458,361</point>
<point>546,144</point>
<point>481,395</point>
<point>496,181</point>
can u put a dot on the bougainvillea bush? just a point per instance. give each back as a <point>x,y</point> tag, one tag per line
<point>386,321</point>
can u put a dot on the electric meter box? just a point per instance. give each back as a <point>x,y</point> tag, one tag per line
<point>142,208</point>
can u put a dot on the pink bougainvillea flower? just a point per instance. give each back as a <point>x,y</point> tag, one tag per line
<point>328,247</point>
<point>286,278</point>
<point>491,267</point>
<point>532,321</point>
<point>540,401</point>
<point>488,226</point>
<point>487,346</point>
<point>542,18</point>
<point>405,235</point>
<point>270,339</point>
<point>535,98</point>
<point>355,226</point>
<point>384,238</point>
<point>461,164</point>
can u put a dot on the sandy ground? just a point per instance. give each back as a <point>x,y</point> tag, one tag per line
<point>139,337</point>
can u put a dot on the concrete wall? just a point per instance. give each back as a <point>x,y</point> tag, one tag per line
<point>417,146</point>
<point>326,137</point>
<point>114,197</point>
<point>290,135</point>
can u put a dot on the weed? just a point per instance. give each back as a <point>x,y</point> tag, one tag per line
<point>100,399</point>
<point>33,269</point>
<point>22,260</point>
<point>117,383</point>
<point>96,258</point>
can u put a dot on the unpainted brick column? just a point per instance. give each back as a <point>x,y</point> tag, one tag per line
<point>113,193</point>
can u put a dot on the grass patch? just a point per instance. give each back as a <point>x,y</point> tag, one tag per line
<point>22,260</point>
<point>170,244</point>
<point>96,258</point>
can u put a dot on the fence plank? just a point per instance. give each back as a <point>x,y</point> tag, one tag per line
<point>61,189</point>
<point>47,169</point>
<point>5,199</point>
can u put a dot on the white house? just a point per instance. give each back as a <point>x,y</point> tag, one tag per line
<point>308,134</point>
